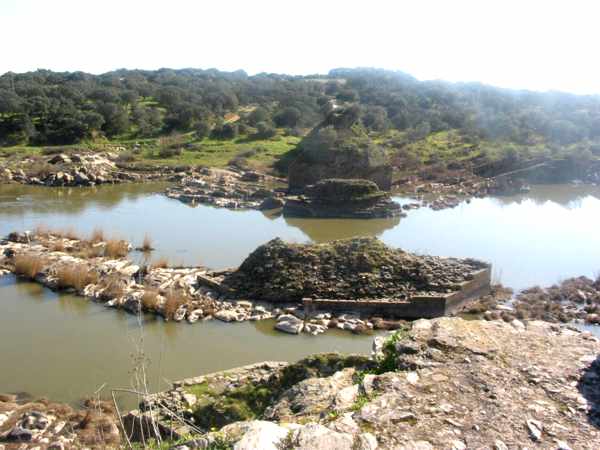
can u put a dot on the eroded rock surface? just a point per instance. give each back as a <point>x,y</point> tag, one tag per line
<point>445,383</point>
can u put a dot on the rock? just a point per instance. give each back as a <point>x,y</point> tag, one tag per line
<point>343,198</point>
<point>180,312</point>
<point>271,203</point>
<point>260,434</point>
<point>189,399</point>
<point>194,316</point>
<point>226,315</point>
<point>289,324</point>
<point>415,445</point>
<point>60,159</point>
<point>283,272</point>
<point>315,436</point>
<point>338,151</point>
<point>365,441</point>
<point>499,445</point>
<point>535,429</point>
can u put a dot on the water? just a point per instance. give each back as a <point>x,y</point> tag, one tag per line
<point>65,347</point>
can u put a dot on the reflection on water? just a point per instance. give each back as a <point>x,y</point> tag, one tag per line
<point>538,238</point>
<point>567,195</point>
<point>324,230</point>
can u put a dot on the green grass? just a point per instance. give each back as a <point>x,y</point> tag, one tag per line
<point>206,152</point>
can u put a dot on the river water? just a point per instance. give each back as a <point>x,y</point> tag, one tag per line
<point>65,347</point>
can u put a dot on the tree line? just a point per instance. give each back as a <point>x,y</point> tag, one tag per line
<point>45,107</point>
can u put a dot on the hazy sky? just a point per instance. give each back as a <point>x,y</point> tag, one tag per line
<point>530,44</point>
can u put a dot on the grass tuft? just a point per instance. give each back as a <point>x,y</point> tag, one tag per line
<point>75,276</point>
<point>116,248</point>
<point>28,265</point>
<point>173,300</point>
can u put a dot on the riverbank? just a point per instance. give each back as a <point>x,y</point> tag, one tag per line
<point>435,384</point>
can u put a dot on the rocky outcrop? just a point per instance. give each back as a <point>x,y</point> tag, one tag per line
<point>343,198</point>
<point>446,383</point>
<point>55,426</point>
<point>339,148</point>
<point>359,268</point>
<point>227,189</point>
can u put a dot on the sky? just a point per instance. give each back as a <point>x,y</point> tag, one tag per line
<point>525,44</point>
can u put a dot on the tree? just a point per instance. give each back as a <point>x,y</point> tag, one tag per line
<point>287,117</point>
<point>202,129</point>
<point>225,131</point>
<point>259,114</point>
<point>264,131</point>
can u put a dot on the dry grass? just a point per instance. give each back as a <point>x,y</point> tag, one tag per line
<point>150,299</point>
<point>173,300</point>
<point>41,230</point>
<point>29,265</point>
<point>75,276</point>
<point>97,236</point>
<point>113,286</point>
<point>160,263</point>
<point>146,244</point>
<point>69,233</point>
<point>116,248</point>
<point>91,251</point>
<point>57,246</point>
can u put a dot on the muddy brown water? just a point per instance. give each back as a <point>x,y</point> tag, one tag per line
<point>65,347</point>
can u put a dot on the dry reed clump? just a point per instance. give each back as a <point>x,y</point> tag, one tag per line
<point>146,244</point>
<point>29,265</point>
<point>160,263</point>
<point>113,286</point>
<point>57,246</point>
<point>97,236</point>
<point>69,233</point>
<point>116,249</point>
<point>75,276</point>
<point>150,299</point>
<point>91,251</point>
<point>173,300</point>
<point>41,230</point>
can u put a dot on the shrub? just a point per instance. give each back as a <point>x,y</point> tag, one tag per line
<point>170,152</point>
<point>116,248</point>
<point>29,265</point>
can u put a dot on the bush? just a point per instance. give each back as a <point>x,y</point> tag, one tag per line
<point>170,152</point>
<point>264,131</point>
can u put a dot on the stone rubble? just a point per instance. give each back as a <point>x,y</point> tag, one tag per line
<point>228,189</point>
<point>359,268</point>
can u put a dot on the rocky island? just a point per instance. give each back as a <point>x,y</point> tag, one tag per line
<point>343,198</point>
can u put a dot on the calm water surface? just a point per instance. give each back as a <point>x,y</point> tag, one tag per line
<point>66,347</point>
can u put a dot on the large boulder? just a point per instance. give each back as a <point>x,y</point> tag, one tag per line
<point>339,148</point>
